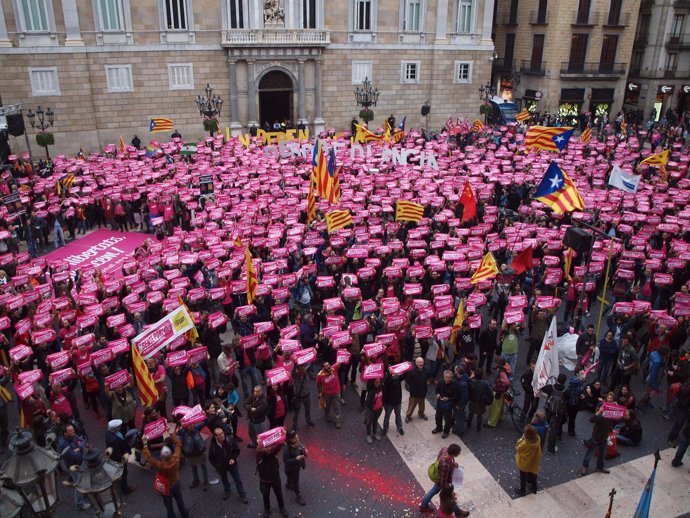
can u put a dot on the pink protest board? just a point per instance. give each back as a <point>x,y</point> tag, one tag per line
<point>103,249</point>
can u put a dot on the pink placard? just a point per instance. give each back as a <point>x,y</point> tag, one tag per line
<point>400,368</point>
<point>272,437</point>
<point>176,358</point>
<point>197,355</point>
<point>287,345</point>
<point>304,356</point>
<point>277,376</point>
<point>374,349</point>
<point>373,371</point>
<point>102,356</point>
<point>343,357</point>
<point>61,375</point>
<point>194,415</point>
<point>58,360</point>
<point>156,428</point>
<point>19,352</point>
<point>30,376</point>
<point>613,411</point>
<point>117,380</point>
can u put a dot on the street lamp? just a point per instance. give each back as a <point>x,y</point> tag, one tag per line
<point>486,92</point>
<point>209,108</point>
<point>32,472</point>
<point>366,96</point>
<point>45,121</point>
<point>99,481</point>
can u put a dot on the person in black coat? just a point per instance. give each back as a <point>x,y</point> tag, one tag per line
<point>117,444</point>
<point>417,383</point>
<point>222,454</point>
<point>294,458</point>
<point>488,339</point>
<point>392,400</point>
<point>268,468</point>
<point>446,395</point>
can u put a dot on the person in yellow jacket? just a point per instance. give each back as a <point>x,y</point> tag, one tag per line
<point>528,458</point>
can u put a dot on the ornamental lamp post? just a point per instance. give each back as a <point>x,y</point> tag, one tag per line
<point>99,481</point>
<point>32,472</point>
<point>366,96</point>
<point>46,118</point>
<point>486,92</point>
<point>209,108</point>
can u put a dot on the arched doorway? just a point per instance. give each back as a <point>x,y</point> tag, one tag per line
<point>275,98</point>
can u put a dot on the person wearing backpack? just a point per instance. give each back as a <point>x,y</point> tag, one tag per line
<point>441,474</point>
<point>480,397</point>
<point>501,386</point>
<point>572,398</point>
<point>555,411</point>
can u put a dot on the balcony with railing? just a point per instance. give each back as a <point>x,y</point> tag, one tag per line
<point>681,4</point>
<point>617,20</point>
<point>535,68</point>
<point>539,18</point>
<point>276,38</point>
<point>641,40</point>
<point>504,65</point>
<point>585,20</point>
<point>595,70</point>
<point>681,42</point>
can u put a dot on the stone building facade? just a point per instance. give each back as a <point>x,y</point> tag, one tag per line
<point>566,57</point>
<point>659,75</point>
<point>106,67</point>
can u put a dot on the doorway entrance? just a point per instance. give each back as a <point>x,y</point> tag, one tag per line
<point>275,99</point>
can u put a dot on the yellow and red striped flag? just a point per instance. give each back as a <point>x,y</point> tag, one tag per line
<point>487,269</point>
<point>477,126</point>
<point>159,124</point>
<point>569,254</point>
<point>408,211</point>
<point>121,146</point>
<point>337,219</point>
<point>587,134</point>
<point>523,116</point>
<point>148,393</point>
<point>548,138</point>
<point>459,319</point>
<point>311,199</point>
<point>624,127</point>
<point>659,161</point>
<point>252,278</point>
<point>364,135</point>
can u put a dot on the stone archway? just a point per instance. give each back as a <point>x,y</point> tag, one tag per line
<point>276,104</point>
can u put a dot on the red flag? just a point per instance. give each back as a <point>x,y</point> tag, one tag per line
<point>522,261</point>
<point>469,202</point>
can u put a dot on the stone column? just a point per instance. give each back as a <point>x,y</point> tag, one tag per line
<point>235,125</point>
<point>487,22</point>
<point>319,123</point>
<point>4,38</point>
<point>251,94</point>
<point>73,36</point>
<point>301,117</point>
<point>441,19</point>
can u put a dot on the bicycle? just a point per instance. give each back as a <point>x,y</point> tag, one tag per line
<point>517,414</point>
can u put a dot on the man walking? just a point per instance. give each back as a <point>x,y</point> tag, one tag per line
<point>222,454</point>
<point>446,465</point>
<point>329,389</point>
<point>256,406</point>
<point>301,385</point>
<point>416,380</point>
<point>600,433</point>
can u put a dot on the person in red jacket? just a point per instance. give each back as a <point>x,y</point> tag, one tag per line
<point>329,391</point>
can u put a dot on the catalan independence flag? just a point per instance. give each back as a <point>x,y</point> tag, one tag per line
<point>523,116</point>
<point>320,169</point>
<point>252,278</point>
<point>160,124</point>
<point>558,191</point>
<point>65,183</point>
<point>408,211</point>
<point>548,138</point>
<point>399,133</point>
<point>337,219</point>
<point>487,269</point>
<point>659,161</point>
<point>148,394</point>
<point>364,135</point>
<point>333,181</point>
<point>81,155</point>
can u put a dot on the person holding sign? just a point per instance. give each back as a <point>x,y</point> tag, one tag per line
<point>167,482</point>
<point>600,433</point>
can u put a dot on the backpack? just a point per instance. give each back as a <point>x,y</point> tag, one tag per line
<point>555,405</point>
<point>434,472</point>
<point>487,395</point>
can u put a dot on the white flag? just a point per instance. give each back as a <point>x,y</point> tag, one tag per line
<point>624,181</point>
<point>547,361</point>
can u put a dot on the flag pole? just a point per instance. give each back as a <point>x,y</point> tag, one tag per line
<point>602,299</point>
<point>612,494</point>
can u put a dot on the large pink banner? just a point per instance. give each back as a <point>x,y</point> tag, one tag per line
<point>104,249</point>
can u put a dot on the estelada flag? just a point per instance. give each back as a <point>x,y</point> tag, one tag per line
<point>469,202</point>
<point>148,393</point>
<point>252,278</point>
<point>337,219</point>
<point>487,269</point>
<point>408,211</point>
<point>522,261</point>
<point>558,191</point>
<point>160,124</point>
<point>548,138</point>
